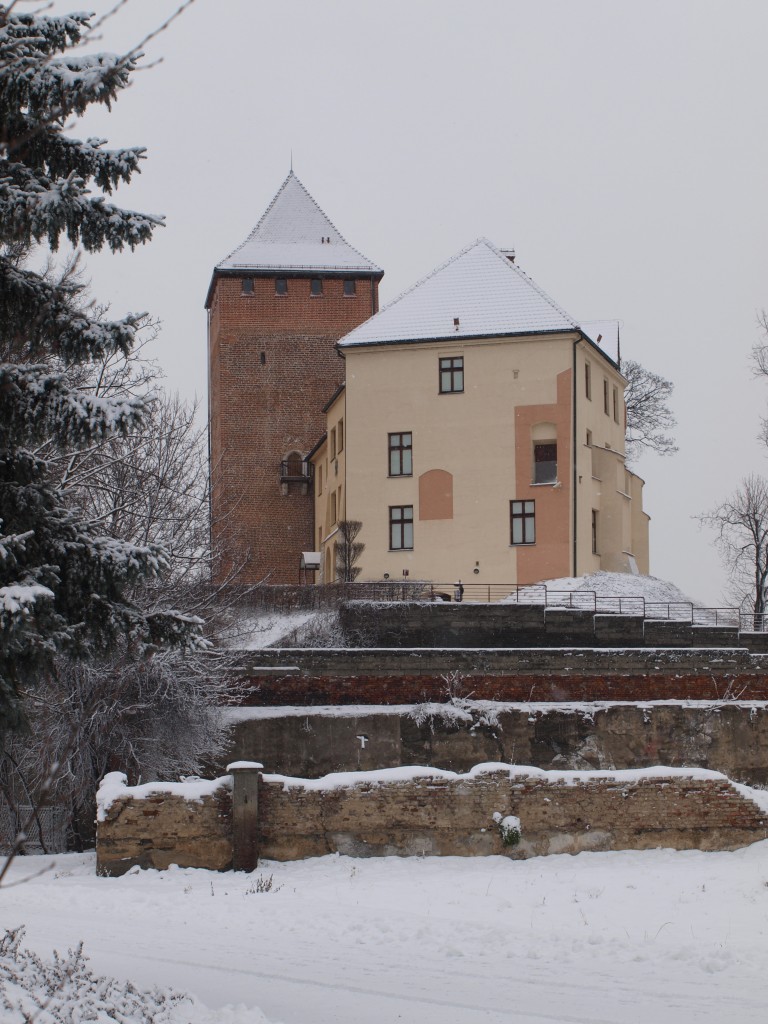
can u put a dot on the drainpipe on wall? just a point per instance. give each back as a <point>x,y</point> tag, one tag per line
<point>574,481</point>
<point>208,432</point>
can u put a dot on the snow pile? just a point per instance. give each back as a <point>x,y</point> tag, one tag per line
<point>114,786</point>
<point>601,590</point>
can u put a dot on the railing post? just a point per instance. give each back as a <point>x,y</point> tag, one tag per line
<point>245,814</point>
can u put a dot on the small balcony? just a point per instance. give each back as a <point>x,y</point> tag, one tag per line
<point>296,471</point>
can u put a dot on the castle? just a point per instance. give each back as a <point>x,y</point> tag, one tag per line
<point>473,427</point>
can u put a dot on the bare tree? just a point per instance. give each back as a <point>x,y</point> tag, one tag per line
<point>760,365</point>
<point>348,550</point>
<point>649,417</point>
<point>741,526</point>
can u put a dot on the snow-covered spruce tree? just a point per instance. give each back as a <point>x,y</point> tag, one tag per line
<point>63,582</point>
<point>151,718</point>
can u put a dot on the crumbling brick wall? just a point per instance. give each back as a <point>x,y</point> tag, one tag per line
<point>428,812</point>
<point>163,828</point>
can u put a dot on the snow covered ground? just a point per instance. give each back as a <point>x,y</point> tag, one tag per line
<point>600,938</point>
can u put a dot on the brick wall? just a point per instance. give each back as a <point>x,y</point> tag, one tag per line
<point>437,813</point>
<point>273,365</point>
<point>406,676</point>
<point>453,816</point>
<point>163,829</point>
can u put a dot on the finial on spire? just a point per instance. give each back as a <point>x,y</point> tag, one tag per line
<point>291,160</point>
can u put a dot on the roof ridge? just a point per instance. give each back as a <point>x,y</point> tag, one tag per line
<point>521,273</point>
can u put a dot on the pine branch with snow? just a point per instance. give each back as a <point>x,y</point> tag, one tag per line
<point>65,582</point>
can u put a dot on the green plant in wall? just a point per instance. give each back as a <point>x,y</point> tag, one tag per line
<point>509,828</point>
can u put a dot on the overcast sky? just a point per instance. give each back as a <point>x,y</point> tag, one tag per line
<point>620,148</point>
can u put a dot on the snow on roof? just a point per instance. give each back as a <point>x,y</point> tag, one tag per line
<point>479,291</point>
<point>295,234</point>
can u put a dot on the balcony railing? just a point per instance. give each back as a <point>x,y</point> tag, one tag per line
<point>296,471</point>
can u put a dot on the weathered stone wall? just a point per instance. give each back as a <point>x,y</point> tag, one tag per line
<point>730,737</point>
<point>166,828</point>
<point>420,811</point>
<point>454,815</point>
<point>303,676</point>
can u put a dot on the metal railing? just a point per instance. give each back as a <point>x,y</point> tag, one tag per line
<point>296,470</point>
<point>683,612</point>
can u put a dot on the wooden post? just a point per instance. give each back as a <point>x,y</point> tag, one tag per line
<point>245,814</point>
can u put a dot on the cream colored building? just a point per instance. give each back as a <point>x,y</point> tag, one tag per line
<point>480,436</point>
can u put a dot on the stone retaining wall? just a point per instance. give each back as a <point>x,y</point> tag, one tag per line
<point>729,737</point>
<point>420,811</point>
<point>424,624</point>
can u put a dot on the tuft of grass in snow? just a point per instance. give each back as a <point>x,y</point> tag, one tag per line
<point>264,883</point>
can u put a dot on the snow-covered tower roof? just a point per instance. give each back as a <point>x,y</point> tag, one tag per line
<point>295,236</point>
<point>478,292</point>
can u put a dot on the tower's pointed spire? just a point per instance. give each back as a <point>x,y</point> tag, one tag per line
<point>295,234</point>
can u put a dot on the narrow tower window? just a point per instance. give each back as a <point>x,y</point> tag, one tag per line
<point>316,286</point>
<point>349,288</point>
<point>281,286</point>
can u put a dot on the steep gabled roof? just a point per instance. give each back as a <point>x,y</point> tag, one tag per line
<point>478,292</point>
<point>295,235</point>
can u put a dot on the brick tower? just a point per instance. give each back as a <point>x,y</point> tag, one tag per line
<point>276,307</point>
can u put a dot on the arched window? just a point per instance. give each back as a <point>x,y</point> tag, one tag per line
<point>294,467</point>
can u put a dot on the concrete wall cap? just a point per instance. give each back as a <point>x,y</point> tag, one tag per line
<point>244,766</point>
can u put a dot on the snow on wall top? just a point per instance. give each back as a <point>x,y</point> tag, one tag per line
<point>411,773</point>
<point>295,234</point>
<point>479,287</point>
<point>114,785</point>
